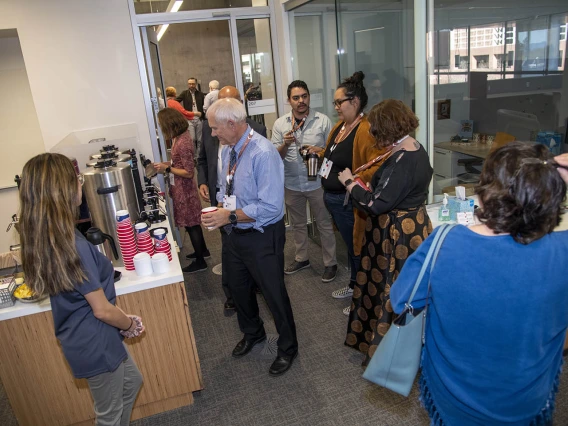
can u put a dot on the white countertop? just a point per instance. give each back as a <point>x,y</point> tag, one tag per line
<point>128,283</point>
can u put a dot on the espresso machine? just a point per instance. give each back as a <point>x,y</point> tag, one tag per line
<point>152,211</point>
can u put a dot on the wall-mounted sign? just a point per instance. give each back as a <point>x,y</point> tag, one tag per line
<point>263,106</point>
<point>316,100</point>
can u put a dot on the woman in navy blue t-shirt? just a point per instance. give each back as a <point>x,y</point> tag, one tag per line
<point>57,260</point>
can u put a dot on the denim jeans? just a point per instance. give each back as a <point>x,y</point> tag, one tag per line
<point>344,219</point>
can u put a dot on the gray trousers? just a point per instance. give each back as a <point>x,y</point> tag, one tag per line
<point>296,203</point>
<point>196,134</point>
<point>114,393</point>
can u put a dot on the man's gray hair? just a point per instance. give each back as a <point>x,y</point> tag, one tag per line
<point>228,109</point>
<point>213,84</point>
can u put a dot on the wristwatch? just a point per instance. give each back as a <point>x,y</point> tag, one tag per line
<point>168,169</point>
<point>348,182</point>
<point>233,217</point>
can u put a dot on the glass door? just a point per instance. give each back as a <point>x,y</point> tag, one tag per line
<point>229,49</point>
<point>151,50</point>
<point>257,70</point>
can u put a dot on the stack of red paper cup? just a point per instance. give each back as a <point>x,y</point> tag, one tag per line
<point>143,238</point>
<point>126,239</point>
<point>161,244</point>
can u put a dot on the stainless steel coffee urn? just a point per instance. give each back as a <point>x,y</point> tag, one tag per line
<point>112,155</point>
<point>109,187</point>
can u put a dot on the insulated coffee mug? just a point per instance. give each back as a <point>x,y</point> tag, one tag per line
<point>313,166</point>
<point>209,210</point>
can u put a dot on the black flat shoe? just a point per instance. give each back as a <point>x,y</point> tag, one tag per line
<point>281,364</point>
<point>206,255</point>
<point>244,346</point>
<point>229,305</point>
<point>194,267</point>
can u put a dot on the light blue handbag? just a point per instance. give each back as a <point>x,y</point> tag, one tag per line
<point>396,361</point>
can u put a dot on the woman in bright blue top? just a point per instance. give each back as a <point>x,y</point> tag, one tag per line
<point>496,319</point>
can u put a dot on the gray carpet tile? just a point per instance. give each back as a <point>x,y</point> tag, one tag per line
<point>323,387</point>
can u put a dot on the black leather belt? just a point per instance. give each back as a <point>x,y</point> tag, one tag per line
<point>240,231</point>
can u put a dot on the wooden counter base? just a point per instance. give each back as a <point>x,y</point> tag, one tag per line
<point>42,390</point>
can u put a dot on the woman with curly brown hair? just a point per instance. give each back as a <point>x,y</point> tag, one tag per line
<point>397,221</point>
<point>497,314</point>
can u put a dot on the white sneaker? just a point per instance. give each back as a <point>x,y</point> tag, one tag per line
<point>342,293</point>
<point>347,311</point>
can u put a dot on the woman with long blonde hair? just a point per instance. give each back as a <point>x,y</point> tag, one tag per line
<point>58,261</point>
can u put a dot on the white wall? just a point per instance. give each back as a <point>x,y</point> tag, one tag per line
<point>82,68</point>
<point>18,119</point>
<point>20,137</point>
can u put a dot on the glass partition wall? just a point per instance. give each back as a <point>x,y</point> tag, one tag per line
<point>159,6</point>
<point>498,73</point>
<point>495,72</point>
<point>330,40</point>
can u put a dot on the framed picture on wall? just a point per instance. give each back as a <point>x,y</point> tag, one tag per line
<point>444,109</point>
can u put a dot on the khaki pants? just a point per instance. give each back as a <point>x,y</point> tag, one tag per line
<point>114,393</point>
<point>296,204</point>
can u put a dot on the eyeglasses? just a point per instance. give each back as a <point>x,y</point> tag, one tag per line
<point>337,103</point>
<point>81,178</point>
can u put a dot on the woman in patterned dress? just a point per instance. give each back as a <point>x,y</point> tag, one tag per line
<point>397,221</point>
<point>183,189</point>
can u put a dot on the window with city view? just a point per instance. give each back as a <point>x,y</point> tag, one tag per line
<point>504,50</point>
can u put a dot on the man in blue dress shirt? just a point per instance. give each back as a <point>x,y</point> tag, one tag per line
<point>252,195</point>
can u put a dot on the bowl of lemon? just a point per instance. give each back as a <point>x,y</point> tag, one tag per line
<point>25,294</point>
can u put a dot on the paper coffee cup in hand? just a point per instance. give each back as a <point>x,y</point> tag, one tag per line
<point>209,210</point>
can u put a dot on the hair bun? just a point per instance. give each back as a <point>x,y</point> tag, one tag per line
<point>358,77</point>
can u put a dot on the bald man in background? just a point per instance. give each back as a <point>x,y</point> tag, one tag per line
<point>209,173</point>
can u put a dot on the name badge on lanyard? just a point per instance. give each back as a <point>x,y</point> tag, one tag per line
<point>230,202</point>
<point>325,168</point>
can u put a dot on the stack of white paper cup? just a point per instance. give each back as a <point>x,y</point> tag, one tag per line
<point>160,263</point>
<point>143,264</point>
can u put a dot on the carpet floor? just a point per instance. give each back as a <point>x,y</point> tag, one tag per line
<point>323,387</point>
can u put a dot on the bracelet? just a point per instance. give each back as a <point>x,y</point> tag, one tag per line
<point>130,326</point>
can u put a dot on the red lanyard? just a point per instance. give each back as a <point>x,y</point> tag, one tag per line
<point>373,161</point>
<point>380,157</point>
<point>231,173</point>
<point>342,135</point>
<point>296,125</point>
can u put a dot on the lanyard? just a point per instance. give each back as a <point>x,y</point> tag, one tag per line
<point>231,173</point>
<point>373,161</point>
<point>342,134</point>
<point>380,157</point>
<point>297,126</point>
